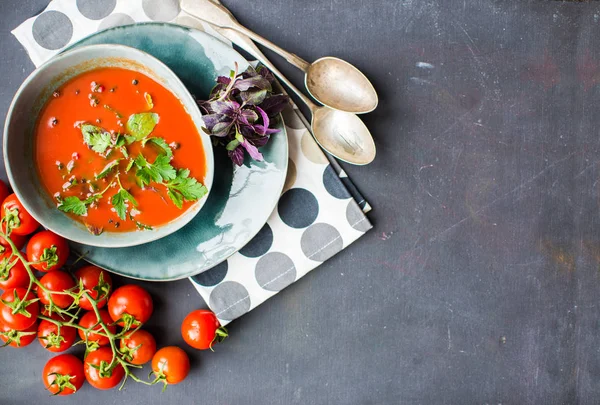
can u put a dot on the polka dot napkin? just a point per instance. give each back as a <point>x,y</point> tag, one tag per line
<point>320,211</point>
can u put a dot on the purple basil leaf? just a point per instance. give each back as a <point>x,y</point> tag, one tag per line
<point>225,107</point>
<point>258,141</point>
<point>252,151</point>
<point>275,104</point>
<point>223,80</point>
<point>266,73</point>
<point>255,81</point>
<point>253,97</point>
<point>210,120</point>
<point>222,128</point>
<point>248,117</point>
<point>250,72</point>
<point>237,155</point>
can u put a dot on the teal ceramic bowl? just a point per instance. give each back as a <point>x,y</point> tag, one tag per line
<point>19,131</point>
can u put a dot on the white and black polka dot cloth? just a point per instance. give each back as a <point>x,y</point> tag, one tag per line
<point>316,216</point>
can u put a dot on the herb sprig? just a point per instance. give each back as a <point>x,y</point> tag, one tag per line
<point>240,111</point>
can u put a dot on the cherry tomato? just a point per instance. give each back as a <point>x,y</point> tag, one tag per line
<point>138,347</point>
<point>89,319</point>
<point>18,240</point>
<point>12,272</point>
<point>97,282</point>
<point>56,281</point>
<point>54,340</point>
<point>201,328</point>
<point>102,378</point>
<point>20,221</point>
<point>17,338</point>
<point>63,374</point>
<point>4,191</point>
<point>171,364</point>
<point>46,251</point>
<point>25,317</point>
<point>130,305</point>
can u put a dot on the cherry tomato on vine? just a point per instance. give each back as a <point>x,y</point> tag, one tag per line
<point>18,240</point>
<point>20,222</point>
<point>89,319</point>
<point>201,328</point>
<point>12,272</point>
<point>16,338</point>
<point>56,281</point>
<point>63,374</point>
<point>138,347</point>
<point>97,282</point>
<point>171,365</point>
<point>102,378</point>
<point>4,191</point>
<point>131,305</point>
<point>46,251</point>
<point>24,317</point>
<point>53,339</point>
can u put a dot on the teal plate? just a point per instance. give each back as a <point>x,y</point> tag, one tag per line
<point>241,199</point>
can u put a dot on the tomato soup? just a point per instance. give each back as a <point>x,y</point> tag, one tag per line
<point>118,151</point>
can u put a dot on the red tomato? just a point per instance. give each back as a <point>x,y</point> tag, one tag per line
<point>12,272</point>
<point>102,378</point>
<point>25,317</point>
<point>17,338</point>
<point>53,339</point>
<point>4,191</point>
<point>138,347</point>
<point>201,328</point>
<point>20,221</point>
<point>171,364</point>
<point>18,240</point>
<point>97,282</point>
<point>46,251</point>
<point>130,305</point>
<point>89,319</point>
<point>56,281</point>
<point>63,374</point>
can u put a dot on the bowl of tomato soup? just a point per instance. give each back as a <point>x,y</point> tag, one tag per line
<point>104,146</point>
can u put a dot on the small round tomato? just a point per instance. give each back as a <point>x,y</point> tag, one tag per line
<point>58,281</point>
<point>20,222</point>
<point>16,338</point>
<point>89,320</point>
<point>138,347</point>
<point>12,272</point>
<point>46,251</point>
<point>171,364</point>
<point>97,282</point>
<point>24,317</point>
<point>130,305</point>
<point>201,328</point>
<point>18,240</point>
<point>4,191</point>
<point>63,374</point>
<point>54,338</point>
<point>97,372</point>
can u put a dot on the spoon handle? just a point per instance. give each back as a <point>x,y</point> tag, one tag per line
<point>218,15</point>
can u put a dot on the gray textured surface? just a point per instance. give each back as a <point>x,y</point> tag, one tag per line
<point>479,283</point>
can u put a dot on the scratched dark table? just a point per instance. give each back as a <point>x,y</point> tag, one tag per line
<point>480,281</point>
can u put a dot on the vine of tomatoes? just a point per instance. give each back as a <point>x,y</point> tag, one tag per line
<point>41,299</point>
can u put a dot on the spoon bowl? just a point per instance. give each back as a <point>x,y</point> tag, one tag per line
<point>339,85</point>
<point>344,135</point>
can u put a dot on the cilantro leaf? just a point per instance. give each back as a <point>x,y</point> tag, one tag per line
<point>95,137</point>
<point>184,187</point>
<point>161,143</point>
<point>141,125</point>
<point>159,171</point>
<point>73,205</point>
<point>107,169</point>
<point>118,201</point>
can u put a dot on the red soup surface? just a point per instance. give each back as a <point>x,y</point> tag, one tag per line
<point>118,151</point>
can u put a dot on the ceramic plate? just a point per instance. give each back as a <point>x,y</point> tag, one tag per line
<point>241,199</point>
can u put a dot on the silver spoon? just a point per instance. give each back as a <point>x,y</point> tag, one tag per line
<point>342,134</point>
<point>331,81</point>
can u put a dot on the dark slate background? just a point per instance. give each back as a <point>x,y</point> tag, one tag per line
<point>479,283</point>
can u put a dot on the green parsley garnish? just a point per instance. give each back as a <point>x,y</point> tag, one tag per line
<point>184,187</point>
<point>107,169</point>
<point>96,138</point>
<point>161,143</point>
<point>159,171</point>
